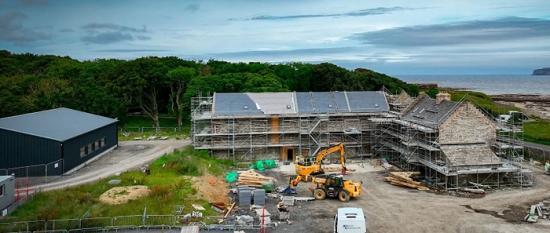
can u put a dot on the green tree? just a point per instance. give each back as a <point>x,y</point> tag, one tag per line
<point>178,79</point>
<point>432,92</point>
<point>263,83</point>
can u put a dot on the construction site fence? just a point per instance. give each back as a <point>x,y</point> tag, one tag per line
<point>108,224</point>
<point>32,175</point>
<point>151,129</point>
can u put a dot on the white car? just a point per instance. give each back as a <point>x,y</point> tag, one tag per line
<point>350,220</point>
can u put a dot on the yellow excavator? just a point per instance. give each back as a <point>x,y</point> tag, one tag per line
<point>311,166</point>
<point>310,170</point>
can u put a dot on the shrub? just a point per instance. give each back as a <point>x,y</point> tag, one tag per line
<point>161,191</point>
<point>84,198</point>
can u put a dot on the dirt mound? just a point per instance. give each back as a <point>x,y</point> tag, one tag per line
<point>211,188</point>
<point>121,195</point>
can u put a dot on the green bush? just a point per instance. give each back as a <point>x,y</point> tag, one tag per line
<point>161,191</point>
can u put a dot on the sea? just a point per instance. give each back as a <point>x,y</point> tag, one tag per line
<point>488,84</point>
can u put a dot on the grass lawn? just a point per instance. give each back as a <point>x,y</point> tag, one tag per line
<point>132,128</point>
<point>537,131</point>
<point>483,101</point>
<point>170,184</point>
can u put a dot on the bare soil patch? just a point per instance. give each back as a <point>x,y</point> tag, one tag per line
<point>211,188</point>
<point>123,194</point>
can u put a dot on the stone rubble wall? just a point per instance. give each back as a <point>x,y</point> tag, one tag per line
<point>467,125</point>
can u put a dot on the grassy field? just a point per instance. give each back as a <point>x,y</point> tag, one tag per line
<point>141,127</point>
<point>483,101</point>
<point>169,181</point>
<point>537,131</point>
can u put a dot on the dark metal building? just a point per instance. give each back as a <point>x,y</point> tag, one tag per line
<point>53,142</point>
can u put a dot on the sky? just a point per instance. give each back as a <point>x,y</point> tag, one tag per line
<point>397,37</point>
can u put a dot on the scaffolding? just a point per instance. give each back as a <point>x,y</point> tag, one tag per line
<point>290,136</point>
<point>415,147</point>
<point>411,144</point>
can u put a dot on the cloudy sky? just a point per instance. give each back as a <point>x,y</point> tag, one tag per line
<point>391,36</point>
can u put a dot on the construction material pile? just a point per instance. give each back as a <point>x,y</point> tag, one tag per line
<point>540,210</point>
<point>404,179</point>
<point>254,179</point>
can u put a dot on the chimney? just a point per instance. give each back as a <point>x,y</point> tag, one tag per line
<point>440,97</point>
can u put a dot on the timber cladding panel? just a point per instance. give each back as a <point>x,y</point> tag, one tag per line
<point>467,125</point>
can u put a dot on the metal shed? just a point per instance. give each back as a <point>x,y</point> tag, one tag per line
<point>53,142</point>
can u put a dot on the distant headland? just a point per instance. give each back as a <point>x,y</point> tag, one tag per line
<point>542,71</point>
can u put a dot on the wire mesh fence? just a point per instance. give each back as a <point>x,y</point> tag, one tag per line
<point>152,133</point>
<point>32,175</point>
<point>104,224</point>
<point>151,129</point>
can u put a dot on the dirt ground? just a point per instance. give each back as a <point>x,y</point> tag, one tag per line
<point>390,208</point>
<point>213,189</point>
<point>121,195</point>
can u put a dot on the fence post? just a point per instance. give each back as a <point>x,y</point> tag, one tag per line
<point>46,173</point>
<point>144,216</point>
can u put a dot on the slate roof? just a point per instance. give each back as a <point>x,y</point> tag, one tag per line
<point>59,124</point>
<point>250,104</point>
<point>426,111</point>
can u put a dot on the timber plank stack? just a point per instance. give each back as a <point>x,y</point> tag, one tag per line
<point>404,179</point>
<point>253,179</point>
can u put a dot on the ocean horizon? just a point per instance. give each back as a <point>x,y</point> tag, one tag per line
<point>488,84</point>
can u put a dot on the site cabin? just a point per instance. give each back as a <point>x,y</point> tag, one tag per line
<point>7,195</point>
<point>350,220</point>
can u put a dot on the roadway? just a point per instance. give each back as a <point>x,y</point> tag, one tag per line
<point>129,155</point>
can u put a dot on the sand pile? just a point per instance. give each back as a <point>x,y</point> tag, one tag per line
<point>121,195</point>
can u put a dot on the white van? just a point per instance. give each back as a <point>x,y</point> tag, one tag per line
<point>350,220</point>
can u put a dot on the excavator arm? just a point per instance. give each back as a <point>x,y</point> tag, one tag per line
<point>337,148</point>
<point>305,170</point>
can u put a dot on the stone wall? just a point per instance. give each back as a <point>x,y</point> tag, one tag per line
<point>467,125</point>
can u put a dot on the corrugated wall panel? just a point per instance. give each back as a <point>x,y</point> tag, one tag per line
<point>18,150</point>
<point>71,148</point>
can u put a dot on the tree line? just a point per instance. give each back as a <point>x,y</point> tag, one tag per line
<point>161,85</point>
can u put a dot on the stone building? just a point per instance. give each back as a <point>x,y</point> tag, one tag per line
<point>451,143</point>
<point>285,125</point>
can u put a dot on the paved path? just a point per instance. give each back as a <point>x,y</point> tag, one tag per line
<point>536,146</point>
<point>129,155</point>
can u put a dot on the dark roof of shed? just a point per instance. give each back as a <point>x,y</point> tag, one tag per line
<point>426,111</point>
<point>59,124</point>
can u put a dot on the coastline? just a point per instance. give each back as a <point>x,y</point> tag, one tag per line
<point>537,105</point>
<point>531,104</point>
